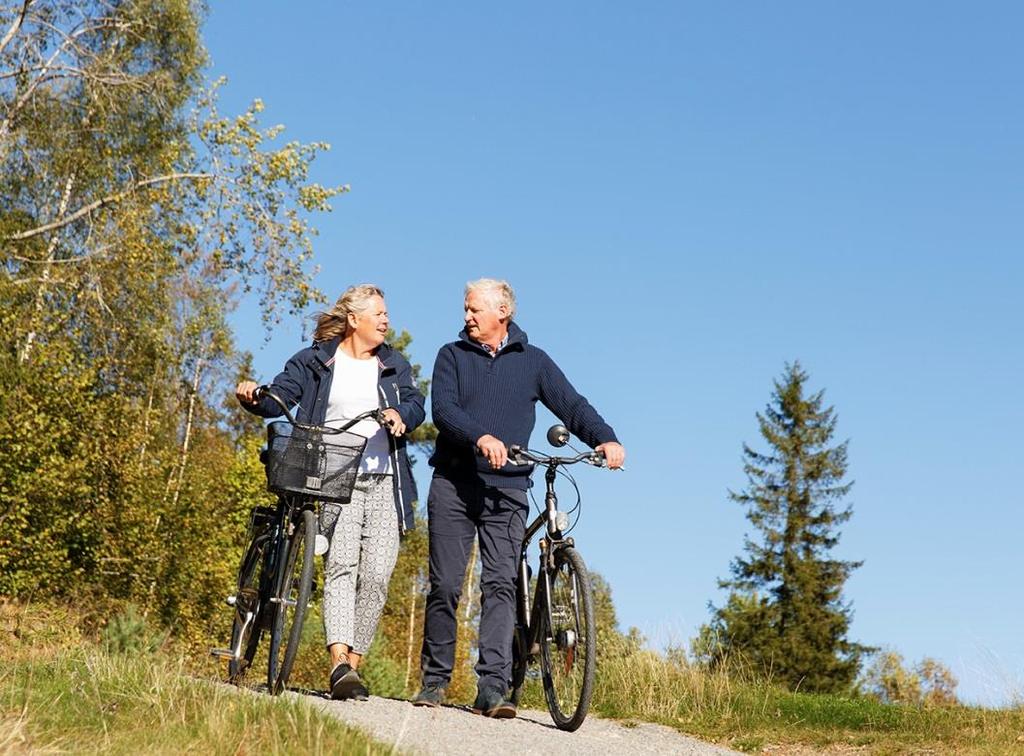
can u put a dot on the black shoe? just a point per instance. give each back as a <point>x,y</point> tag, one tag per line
<point>360,691</point>
<point>344,682</point>
<point>492,702</point>
<point>431,695</point>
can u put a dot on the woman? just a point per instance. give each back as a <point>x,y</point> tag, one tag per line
<point>348,370</point>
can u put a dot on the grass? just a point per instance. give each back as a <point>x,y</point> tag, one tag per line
<point>754,716</point>
<point>61,691</point>
<point>68,695</point>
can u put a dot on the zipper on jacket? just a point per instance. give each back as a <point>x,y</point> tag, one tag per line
<point>393,446</point>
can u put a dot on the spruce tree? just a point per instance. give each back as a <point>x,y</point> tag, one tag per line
<point>785,614</point>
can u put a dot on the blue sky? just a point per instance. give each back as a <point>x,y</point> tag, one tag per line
<point>687,196</point>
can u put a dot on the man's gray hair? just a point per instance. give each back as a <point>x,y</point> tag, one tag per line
<point>497,293</point>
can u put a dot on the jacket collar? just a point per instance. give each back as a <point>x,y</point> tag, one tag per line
<point>516,339</point>
<point>326,351</point>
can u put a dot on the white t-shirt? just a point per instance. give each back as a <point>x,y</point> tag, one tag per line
<point>353,391</point>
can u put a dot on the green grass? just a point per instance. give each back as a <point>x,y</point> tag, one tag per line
<point>750,716</point>
<point>62,693</point>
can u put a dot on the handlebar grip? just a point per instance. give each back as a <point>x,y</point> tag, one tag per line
<point>514,454</point>
<point>260,392</point>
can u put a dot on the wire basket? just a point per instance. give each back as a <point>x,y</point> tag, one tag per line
<point>309,462</point>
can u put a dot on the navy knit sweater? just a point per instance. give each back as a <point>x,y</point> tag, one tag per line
<point>473,394</point>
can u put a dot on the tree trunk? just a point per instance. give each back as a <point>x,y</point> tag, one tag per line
<point>145,423</point>
<point>196,374</point>
<point>412,630</point>
<point>470,581</point>
<point>51,250</point>
<point>179,476</point>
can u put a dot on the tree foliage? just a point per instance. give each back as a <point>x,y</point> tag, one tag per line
<point>928,683</point>
<point>785,614</point>
<point>132,215</point>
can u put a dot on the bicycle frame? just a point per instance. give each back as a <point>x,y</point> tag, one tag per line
<point>557,622</point>
<point>551,540</point>
<point>269,545</point>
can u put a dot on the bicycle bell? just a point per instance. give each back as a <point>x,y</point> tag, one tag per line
<point>558,435</point>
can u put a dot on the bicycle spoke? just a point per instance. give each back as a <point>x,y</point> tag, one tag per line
<point>568,647</point>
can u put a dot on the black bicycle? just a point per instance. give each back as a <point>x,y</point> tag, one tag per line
<point>557,625</point>
<point>305,464</point>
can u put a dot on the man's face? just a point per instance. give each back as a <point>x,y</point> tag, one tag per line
<point>484,320</point>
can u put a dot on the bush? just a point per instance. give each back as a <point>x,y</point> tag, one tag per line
<point>128,633</point>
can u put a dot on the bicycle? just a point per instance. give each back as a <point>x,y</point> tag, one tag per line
<point>305,464</point>
<point>558,625</point>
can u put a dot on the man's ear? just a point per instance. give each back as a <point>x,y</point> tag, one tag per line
<point>503,311</point>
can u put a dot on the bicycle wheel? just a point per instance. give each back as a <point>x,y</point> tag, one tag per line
<point>247,626</point>
<point>294,585</point>
<point>568,648</point>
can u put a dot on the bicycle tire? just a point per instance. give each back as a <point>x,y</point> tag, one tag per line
<point>294,584</point>
<point>248,598</point>
<point>569,648</point>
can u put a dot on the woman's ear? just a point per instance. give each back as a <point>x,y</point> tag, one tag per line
<point>352,319</point>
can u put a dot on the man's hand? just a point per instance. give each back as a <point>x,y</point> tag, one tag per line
<point>493,450</point>
<point>393,422</point>
<point>614,454</point>
<point>244,390</point>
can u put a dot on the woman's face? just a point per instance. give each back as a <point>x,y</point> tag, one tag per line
<point>371,325</point>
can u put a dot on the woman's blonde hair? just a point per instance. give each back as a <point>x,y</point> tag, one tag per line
<point>354,300</point>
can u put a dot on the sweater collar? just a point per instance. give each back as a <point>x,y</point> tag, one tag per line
<point>516,339</point>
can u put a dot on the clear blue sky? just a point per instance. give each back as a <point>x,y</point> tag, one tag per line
<point>686,196</point>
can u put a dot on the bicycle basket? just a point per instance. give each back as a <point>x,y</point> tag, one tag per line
<point>319,465</point>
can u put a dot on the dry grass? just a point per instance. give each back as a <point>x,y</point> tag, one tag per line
<point>59,693</point>
<point>737,710</point>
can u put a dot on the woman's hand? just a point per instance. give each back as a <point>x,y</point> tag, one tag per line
<point>244,392</point>
<point>393,421</point>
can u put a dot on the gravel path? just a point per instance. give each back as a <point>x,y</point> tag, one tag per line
<point>456,730</point>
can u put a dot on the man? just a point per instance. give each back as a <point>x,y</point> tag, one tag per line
<point>484,390</point>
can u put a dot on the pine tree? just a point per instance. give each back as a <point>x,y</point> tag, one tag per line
<point>785,614</point>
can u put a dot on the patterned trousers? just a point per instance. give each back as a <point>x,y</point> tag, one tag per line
<point>363,543</point>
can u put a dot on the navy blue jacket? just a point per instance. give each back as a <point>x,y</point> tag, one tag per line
<point>306,381</point>
<point>474,394</point>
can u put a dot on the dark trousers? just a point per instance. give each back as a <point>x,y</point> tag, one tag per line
<point>458,512</point>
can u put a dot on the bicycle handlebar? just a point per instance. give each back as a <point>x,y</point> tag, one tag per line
<point>261,391</point>
<point>516,455</point>
<point>374,414</point>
